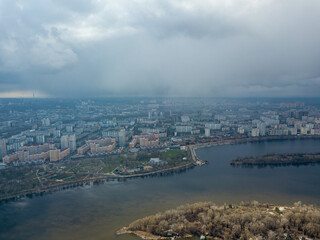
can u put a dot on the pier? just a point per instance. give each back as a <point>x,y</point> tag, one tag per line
<point>195,158</point>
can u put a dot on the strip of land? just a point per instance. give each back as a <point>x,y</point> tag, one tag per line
<point>278,159</point>
<point>244,221</point>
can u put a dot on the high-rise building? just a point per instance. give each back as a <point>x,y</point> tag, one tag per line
<point>46,122</point>
<point>72,143</point>
<point>207,132</point>
<point>56,133</point>
<point>64,142</point>
<point>255,132</point>
<point>69,128</point>
<point>262,128</point>
<point>40,139</point>
<point>3,148</point>
<point>241,130</point>
<point>185,119</point>
<point>122,137</point>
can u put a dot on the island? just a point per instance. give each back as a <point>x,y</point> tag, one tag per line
<point>253,220</point>
<point>278,159</point>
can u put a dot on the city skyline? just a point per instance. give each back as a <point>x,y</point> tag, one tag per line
<point>159,48</point>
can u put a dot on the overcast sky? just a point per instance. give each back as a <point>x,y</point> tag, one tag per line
<point>89,48</point>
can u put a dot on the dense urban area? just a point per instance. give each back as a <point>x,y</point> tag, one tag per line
<point>46,143</point>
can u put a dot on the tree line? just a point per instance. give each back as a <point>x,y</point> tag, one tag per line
<point>244,221</point>
<point>278,159</point>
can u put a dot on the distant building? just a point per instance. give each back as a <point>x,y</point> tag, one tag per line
<point>30,153</point>
<point>271,120</point>
<point>64,142</point>
<point>213,126</point>
<point>315,132</point>
<point>303,131</point>
<point>240,130</point>
<point>72,143</point>
<point>183,129</point>
<point>220,117</point>
<point>185,119</point>
<point>278,132</point>
<point>57,154</point>
<point>54,155</point>
<point>255,132</point>
<point>3,147</point>
<point>112,133</point>
<point>145,140</point>
<point>207,132</point>
<point>122,137</point>
<point>133,143</point>
<point>293,131</point>
<point>56,133</point>
<point>38,148</point>
<point>262,128</point>
<point>195,131</point>
<point>83,149</point>
<point>69,128</point>
<point>64,153</point>
<point>101,145</point>
<point>40,139</point>
<point>45,122</point>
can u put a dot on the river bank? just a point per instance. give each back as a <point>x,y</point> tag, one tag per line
<point>110,177</point>
<point>95,180</point>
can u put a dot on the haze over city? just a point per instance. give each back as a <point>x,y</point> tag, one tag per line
<point>167,48</point>
<point>159,119</point>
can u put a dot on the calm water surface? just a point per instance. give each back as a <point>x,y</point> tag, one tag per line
<point>96,212</point>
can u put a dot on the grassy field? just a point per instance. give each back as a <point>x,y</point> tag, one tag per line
<point>174,154</point>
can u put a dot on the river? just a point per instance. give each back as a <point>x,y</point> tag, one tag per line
<point>97,211</point>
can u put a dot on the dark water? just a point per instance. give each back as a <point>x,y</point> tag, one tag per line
<point>96,212</point>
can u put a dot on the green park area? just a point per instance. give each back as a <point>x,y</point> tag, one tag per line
<point>174,154</point>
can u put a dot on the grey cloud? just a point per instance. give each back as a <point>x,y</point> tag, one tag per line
<point>172,21</point>
<point>160,48</point>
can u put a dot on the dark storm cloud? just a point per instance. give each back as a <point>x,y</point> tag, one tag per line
<point>163,48</point>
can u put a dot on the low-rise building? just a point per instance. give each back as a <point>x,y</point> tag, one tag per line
<point>83,149</point>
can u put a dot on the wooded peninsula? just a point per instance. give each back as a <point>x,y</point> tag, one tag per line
<point>278,159</point>
<point>244,221</point>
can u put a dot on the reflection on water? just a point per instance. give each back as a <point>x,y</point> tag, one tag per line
<point>97,211</point>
